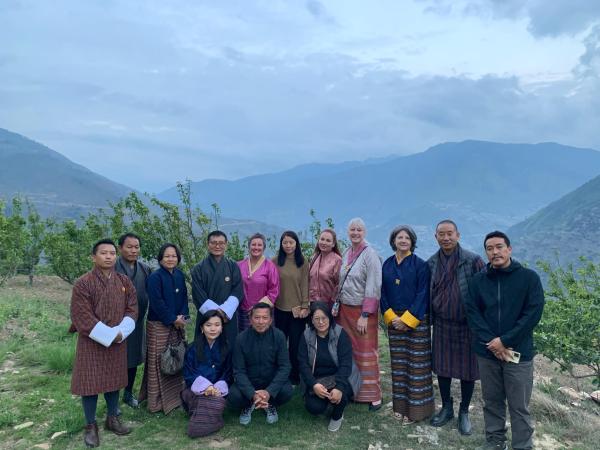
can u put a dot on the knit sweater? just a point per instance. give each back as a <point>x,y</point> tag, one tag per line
<point>293,284</point>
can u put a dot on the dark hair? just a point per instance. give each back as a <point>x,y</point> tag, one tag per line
<point>335,249</point>
<point>451,222</point>
<point>497,234</point>
<point>261,305</point>
<point>320,306</point>
<point>103,241</point>
<point>411,234</point>
<point>215,233</point>
<point>201,339</point>
<point>124,237</point>
<point>298,256</point>
<point>163,248</point>
<point>258,236</point>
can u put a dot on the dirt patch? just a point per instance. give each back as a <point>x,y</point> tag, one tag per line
<point>49,287</point>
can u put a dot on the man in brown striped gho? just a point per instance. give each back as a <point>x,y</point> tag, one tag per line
<point>103,313</point>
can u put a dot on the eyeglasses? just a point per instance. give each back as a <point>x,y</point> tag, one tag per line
<point>217,243</point>
<point>320,319</point>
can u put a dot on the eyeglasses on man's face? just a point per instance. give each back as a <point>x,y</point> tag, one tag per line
<point>218,243</point>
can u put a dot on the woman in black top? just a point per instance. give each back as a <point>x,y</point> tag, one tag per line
<point>326,368</point>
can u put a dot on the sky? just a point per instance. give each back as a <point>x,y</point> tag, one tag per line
<point>155,91</point>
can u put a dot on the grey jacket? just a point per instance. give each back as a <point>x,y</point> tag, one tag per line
<point>310,336</point>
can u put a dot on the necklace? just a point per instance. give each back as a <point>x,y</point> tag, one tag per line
<point>256,267</point>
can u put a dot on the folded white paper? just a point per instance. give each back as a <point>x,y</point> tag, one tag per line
<point>103,334</point>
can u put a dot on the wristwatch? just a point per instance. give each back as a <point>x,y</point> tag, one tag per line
<point>364,314</point>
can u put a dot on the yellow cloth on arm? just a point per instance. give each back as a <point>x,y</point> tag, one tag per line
<point>409,319</point>
<point>389,315</point>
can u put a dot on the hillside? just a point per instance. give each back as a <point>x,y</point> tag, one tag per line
<point>482,185</point>
<point>569,226</point>
<point>56,185</point>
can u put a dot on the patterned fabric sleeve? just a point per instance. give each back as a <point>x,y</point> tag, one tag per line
<point>82,312</point>
<point>373,284</point>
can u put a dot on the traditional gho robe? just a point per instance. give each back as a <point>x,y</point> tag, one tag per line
<point>453,356</point>
<point>221,283</point>
<point>99,301</point>
<point>136,342</point>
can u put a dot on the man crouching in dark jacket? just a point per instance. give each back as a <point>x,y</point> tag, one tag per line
<point>261,367</point>
<point>505,305</point>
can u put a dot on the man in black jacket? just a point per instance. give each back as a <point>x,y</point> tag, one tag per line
<point>261,367</point>
<point>505,305</point>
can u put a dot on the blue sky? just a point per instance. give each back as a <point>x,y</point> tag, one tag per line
<point>150,92</point>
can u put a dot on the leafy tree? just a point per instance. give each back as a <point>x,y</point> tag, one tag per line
<point>68,246</point>
<point>12,239</point>
<point>569,332</point>
<point>33,241</point>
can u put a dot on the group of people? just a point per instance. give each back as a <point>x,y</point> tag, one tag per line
<point>264,325</point>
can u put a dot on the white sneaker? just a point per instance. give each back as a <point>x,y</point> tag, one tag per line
<point>334,425</point>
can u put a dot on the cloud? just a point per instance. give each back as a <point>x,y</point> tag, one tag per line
<point>319,12</point>
<point>546,18</point>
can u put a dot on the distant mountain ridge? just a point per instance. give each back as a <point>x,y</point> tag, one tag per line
<point>482,185</point>
<point>60,188</point>
<point>568,227</point>
<point>54,184</point>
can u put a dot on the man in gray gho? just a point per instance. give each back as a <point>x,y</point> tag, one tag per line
<point>129,265</point>
<point>505,304</point>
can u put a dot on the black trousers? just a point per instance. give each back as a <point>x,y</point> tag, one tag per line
<point>237,400</point>
<point>293,329</point>
<point>316,405</point>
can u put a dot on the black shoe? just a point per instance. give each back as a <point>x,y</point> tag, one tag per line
<point>129,399</point>
<point>464,423</point>
<point>445,415</point>
<point>376,407</point>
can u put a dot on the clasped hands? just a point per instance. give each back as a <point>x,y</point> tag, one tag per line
<point>499,350</point>
<point>212,391</point>
<point>261,399</point>
<point>335,396</point>
<point>399,325</point>
<point>299,312</point>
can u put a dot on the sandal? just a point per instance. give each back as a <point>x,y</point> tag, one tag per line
<point>406,421</point>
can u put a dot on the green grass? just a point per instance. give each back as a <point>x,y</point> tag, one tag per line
<point>36,355</point>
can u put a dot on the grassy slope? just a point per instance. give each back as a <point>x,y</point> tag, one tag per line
<point>36,355</point>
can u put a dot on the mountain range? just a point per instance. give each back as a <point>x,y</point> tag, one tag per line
<point>481,185</point>
<point>563,230</point>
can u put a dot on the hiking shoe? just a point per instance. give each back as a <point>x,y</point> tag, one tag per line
<point>272,416</point>
<point>334,425</point>
<point>246,415</point>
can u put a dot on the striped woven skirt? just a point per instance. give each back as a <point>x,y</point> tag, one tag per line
<point>410,355</point>
<point>161,391</point>
<point>206,413</point>
<point>243,320</point>
<point>365,352</point>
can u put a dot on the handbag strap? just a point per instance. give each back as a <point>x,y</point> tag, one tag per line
<point>315,358</point>
<point>337,300</point>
